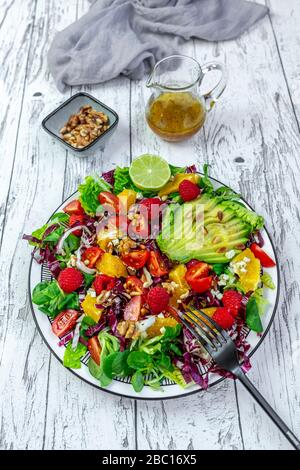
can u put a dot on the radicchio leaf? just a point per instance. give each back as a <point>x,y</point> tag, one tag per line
<point>108,176</point>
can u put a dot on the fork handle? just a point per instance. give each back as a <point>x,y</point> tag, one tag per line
<point>290,436</point>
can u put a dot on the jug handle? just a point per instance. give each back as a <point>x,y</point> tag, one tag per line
<point>214,94</point>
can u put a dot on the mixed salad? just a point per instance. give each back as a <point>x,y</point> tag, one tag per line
<point>136,247</point>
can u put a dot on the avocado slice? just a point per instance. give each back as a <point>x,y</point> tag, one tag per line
<point>206,229</point>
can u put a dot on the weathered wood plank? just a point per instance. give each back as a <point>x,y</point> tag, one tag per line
<point>256,124</point>
<point>195,422</point>
<point>284,17</point>
<point>36,188</point>
<point>78,416</point>
<point>14,47</point>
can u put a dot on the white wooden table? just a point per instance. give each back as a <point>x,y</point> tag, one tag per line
<point>252,141</point>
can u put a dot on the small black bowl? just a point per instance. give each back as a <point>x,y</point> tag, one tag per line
<point>58,118</point>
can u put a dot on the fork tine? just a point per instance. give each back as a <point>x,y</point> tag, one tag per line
<point>212,322</point>
<point>212,334</point>
<point>202,333</point>
<point>196,335</point>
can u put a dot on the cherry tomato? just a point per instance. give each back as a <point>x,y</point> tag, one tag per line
<point>202,285</point>
<point>64,322</point>
<point>136,259</point>
<point>105,197</point>
<point>92,254</point>
<point>74,207</point>
<point>259,253</point>
<point>76,219</point>
<point>94,349</point>
<point>192,263</point>
<point>134,284</point>
<point>197,276</point>
<point>104,282</point>
<point>156,264</point>
<point>133,308</point>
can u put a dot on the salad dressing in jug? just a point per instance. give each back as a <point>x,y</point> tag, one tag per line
<point>176,109</point>
<point>174,116</point>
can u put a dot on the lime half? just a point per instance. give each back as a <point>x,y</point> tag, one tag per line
<point>149,172</point>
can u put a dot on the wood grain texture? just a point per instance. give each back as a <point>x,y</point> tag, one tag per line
<point>14,47</point>
<point>288,43</point>
<point>251,139</point>
<point>255,122</point>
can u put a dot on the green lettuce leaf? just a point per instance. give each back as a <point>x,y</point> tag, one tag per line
<point>252,315</point>
<point>72,356</point>
<point>267,280</point>
<point>109,344</point>
<point>177,169</point>
<point>261,301</point>
<point>53,237</point>
<point>89,191</point>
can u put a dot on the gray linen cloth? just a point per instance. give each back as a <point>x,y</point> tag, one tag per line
<point>128,36</point>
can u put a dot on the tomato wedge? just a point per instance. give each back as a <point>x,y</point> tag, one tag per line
<point>136,258</point>
<point>76,219</point>
<point>105,197</point>
<point>64,322</point>
<point>156,264</point>
<point>94,349</point>
<point>133,308</point>
<point>197,276</point>
<point>74,207</point>
<point>259,253</point>
<point>134,284</point>
<point>91,254</point>
<point>103,282</point>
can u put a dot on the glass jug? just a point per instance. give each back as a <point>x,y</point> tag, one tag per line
<point>176,110</point>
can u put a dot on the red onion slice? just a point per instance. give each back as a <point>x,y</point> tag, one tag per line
<point>60,243</point>
<point>81,266</point>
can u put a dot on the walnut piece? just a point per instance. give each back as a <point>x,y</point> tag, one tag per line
<point>84,127</point>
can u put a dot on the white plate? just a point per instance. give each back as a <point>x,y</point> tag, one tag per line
<point>169,390</point>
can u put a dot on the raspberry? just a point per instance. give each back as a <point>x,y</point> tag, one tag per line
<point>188,190</point>
<point>76,219</point>
<point>70,279</point>
<point>104,282</point>
<point>232,300</point>
<point>158,299</point>
<point>223,318</point>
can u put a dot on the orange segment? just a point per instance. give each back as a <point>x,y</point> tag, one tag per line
<point>154,330</point>
<point>177,275</point>
<point>111,265</point>
<point>247,267</point>
<point>90,309</point>
<point>209,311</point>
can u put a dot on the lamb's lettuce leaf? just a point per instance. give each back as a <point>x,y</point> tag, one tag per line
<point>51,300</point>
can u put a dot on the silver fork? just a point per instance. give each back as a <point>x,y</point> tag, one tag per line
<point>221,348</point>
